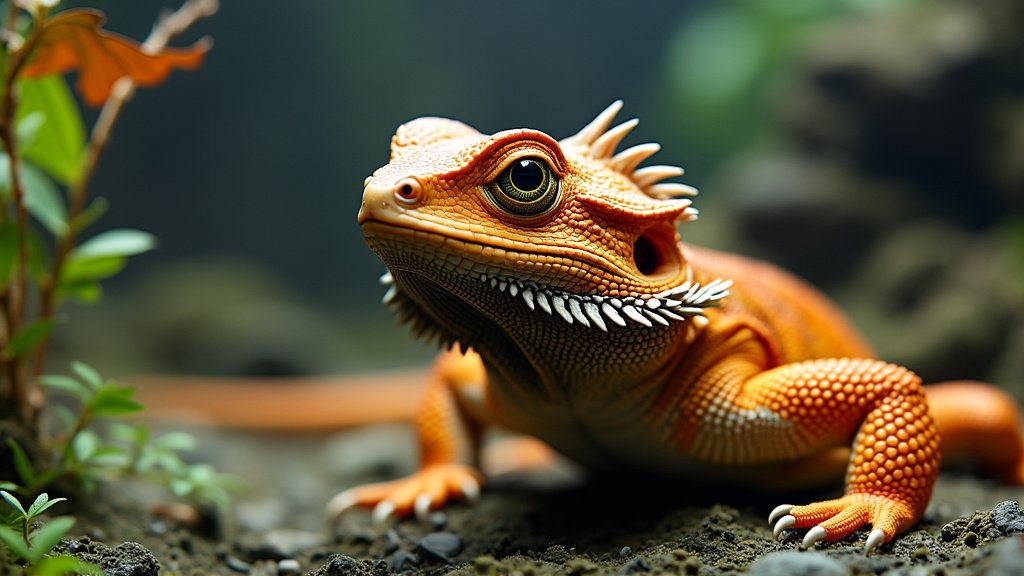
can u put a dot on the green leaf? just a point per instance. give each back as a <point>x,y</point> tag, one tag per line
<point>112,400</point>
<point>59,143</point>
<point>14,542</point>
<point>80,269</point>
<point>136,435</point>
<point>28,337</point>
<point>86,292</point>
<point>67,384</point>
<point>28,127</point>
<point>179,441</point>
<point>85,444</point>
<point>43,503</point>
<point>45,537</point>
<point>63,564</point>
<point>22,465</point>
<point>43,200</point>
<point>120,242</point>
<point>13,502</point>
<point>4,485</point>
<point>88,374</point>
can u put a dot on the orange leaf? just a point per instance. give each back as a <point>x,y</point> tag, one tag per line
<point>74,39</point>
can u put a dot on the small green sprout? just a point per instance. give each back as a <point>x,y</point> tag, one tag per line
<point>29,541</point>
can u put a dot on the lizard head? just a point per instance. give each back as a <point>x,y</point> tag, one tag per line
<point>567,227</point>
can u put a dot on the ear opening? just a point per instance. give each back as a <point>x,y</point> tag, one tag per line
<point>655,253</point>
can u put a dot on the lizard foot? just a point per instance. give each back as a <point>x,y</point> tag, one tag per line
<point>835,519</point>
<point>419,493</point>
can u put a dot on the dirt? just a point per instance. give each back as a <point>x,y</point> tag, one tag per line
<point>575,527</point>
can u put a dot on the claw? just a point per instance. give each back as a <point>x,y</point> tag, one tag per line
<point>383,511</point>
<point>422,506</point>
<point>471,490</point>
<point>813,536</point>
<point>779,510</point>
<point>875,539</point>
<point>784,523</point>
<point>339,505</point>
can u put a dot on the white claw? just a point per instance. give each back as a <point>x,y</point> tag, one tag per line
<point>813,535</point>
<point>382,512</point>
<point>780,510</point>
<point>340,504</point>
<point>422,506</point>
<point>784,523</point>
<point>875,539</point>
<point>471,490</point>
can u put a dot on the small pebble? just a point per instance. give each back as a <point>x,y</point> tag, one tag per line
<point>237,565</point>
<point>437,520</point>
<point>401,558</point>
<point>158,527</point>
<point>1008,518</point>
<point>626,551</point>
<point>440,546</point>
<point>921,553</point>
<point>392,541</point>
<point>288,567</point>
<point>636,565</point>
<point>970,539</point>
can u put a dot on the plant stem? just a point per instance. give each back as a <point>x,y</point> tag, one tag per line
<point>167,27</point>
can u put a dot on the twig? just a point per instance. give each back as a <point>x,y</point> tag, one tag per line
<point>167,27</point>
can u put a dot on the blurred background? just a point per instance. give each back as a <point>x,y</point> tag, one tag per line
<point>875,147</point>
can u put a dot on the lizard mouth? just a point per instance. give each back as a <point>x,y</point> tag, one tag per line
<point>687,300</point>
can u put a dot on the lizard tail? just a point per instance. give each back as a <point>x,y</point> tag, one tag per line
<point>318,404</point>
<point>979,423</point>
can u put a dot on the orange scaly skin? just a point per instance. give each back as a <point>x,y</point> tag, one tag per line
<point>557,266</point>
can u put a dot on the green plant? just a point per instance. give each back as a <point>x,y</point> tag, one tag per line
<point>85,449</point>
<point>29,540</point>
<point>47,164</point>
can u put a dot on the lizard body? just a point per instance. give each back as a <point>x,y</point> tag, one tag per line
<point>557,267</point>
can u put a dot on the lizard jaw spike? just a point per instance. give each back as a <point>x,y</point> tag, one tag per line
<point>604,146</point>
<point>688,301</point>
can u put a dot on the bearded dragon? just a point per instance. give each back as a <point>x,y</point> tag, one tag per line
<point>580,318</point>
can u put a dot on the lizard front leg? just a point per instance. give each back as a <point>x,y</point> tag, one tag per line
<point>802,409</point>
<point>448,444</point>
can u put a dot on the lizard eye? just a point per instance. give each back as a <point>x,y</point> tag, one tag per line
<point>528,187</point>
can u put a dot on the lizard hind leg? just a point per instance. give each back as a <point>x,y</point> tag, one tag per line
<point>980,424</point>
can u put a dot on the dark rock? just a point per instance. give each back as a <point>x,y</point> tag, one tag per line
<point>392,541</point>
<point>437,520</point>
<point>440,546</point>
<point>129,559</point>
<point>626,551</point>
<point>400,559</point>
<point>341,565</point>
<point>793,563</point>
<point>1008,518</point>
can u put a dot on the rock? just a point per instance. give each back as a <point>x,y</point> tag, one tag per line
<point>793,563</point>
<point>636,565</point>
<point>1008,518</point>
<point>341,565</point>
<point>1007,558</point>
<point>237,565</point>
<point>437,520</point>
<point>440,546</point>
<point>401,558</point>
<point>288,567</point>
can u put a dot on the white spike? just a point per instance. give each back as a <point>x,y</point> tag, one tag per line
<point>595,128</point>
<point>386,278</point>
<point>875,538</point>
<point>636,316</point>
<point>644,177</point>
<point>513,289</point>
<point>577,312</point>
<point>813,536</point>
<point>528,298</point>
<point>653,303</point>
<point>558,303</point>
<point>502,285</point>
<point>594,313</point>
<point>604,146</point>
<point>494,282</point>
<point>542,299</point>
<point>671,190</point>
<point>612,314</point>
<point>655,316</point>
<point>627,160</point>
<point>391,294</point>
<point>670,314</point>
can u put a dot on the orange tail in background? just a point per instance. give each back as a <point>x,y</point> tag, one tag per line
<point>317,404</point>
<point>979,423</point>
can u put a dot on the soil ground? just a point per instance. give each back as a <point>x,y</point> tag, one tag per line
<point>531,526</point>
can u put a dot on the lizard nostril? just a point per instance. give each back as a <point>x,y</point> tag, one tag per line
<point>408,191</point>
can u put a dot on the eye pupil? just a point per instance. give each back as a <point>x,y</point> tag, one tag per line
<point>527,175</point>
